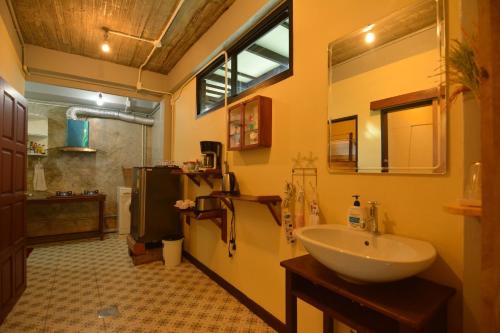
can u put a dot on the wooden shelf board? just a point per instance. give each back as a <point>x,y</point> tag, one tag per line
<point>216,173</point>
<point>218,217</point>
<point>205,175</point>
<point>272,202</point>
<point>246,197</point>
<point>463,210</point>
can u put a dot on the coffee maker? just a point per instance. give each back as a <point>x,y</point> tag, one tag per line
<point>212,154</point>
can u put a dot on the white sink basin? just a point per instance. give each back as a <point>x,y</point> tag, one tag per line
<point>362,257</point>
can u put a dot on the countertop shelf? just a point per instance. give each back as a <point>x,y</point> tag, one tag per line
<point>219,217</point>
<point>272,202</point>
<point>457,209</point>
<point>207,176</point>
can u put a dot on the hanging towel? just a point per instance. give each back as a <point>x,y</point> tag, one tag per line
<point>39,178</point>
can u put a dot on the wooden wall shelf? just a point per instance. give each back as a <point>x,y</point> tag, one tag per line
<point>206,176</point>
<point>272,202</point>
<point>463,210</point>
<point>219,217</point>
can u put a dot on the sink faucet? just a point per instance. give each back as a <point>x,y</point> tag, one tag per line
<point>372,224</point>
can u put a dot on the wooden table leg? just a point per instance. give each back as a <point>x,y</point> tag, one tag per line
<point>101,218</point>
<point>291,305</point>
<point>439,324</point>
<point>327,324</point>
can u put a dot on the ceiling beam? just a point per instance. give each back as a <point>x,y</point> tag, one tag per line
<point>268,54</point>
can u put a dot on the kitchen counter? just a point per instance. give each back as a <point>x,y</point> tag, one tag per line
<point>47,198</point>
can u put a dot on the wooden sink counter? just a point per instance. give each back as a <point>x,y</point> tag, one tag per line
<point>410,305</point>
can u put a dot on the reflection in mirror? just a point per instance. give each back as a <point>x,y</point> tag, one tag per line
<point>343,143</point>
<point>386,95</point>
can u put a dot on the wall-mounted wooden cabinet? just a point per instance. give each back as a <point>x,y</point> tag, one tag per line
<point>250,124</point>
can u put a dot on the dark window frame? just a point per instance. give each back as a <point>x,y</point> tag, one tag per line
<point>279,14</point>
<point>339,120</point>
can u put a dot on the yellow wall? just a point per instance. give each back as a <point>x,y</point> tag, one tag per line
<point>11,69</point>
<point>410,205</point>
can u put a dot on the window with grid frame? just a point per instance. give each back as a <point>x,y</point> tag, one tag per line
<point>262,57</point>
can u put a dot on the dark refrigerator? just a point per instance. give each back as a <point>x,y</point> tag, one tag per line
<point>153,215</point>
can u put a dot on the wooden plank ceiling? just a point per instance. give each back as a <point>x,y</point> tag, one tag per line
<point>75,26</point>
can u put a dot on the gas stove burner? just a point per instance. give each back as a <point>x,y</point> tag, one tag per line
<point>64,193</point>
<point>90,192</point>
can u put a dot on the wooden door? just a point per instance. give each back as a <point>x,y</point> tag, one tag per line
<point>13,128</point>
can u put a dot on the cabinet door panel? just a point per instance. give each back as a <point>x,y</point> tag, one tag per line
<point>6,286</point>
<point>13,126</point>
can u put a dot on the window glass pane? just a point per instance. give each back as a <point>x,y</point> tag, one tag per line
<point>266,57</point>
<point>212,87</point>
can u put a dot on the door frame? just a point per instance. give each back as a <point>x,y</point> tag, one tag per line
<point>488,50</point>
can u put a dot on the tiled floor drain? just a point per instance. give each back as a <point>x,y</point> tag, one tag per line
<point>110,311</point>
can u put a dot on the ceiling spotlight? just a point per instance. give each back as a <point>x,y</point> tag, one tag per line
<point>369,38</point>
<point>105,45</point>
<point>99,100</point>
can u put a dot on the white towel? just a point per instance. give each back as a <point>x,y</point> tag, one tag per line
<point>39,178</point>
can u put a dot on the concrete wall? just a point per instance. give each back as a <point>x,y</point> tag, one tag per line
<point>410,205</point>
<point>118,144</point>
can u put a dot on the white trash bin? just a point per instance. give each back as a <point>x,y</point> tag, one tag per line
<point>172,252</point>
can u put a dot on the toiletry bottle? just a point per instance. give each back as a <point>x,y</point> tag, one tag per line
<point>355,214</point>
<point>299,209</point>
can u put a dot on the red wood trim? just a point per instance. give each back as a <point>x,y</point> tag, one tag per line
<point>488,48</point>
<point>405,99</point>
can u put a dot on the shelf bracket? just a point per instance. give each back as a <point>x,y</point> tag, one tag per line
<point>220,221</point>
<point>207,180</point>
<point>275,209</point>
<point>228,204</point>
<point>194,179</point>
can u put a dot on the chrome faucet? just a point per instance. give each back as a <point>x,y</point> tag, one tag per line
<point>372,224</point>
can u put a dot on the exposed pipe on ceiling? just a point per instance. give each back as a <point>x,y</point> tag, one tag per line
<point>158,42</point>
<point>78,111</point>
<point>122,34</point>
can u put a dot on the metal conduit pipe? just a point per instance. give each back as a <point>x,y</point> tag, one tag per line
<point>75,111</point>
<point>155,45</point>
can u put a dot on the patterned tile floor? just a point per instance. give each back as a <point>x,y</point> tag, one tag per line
<point>68,283</point>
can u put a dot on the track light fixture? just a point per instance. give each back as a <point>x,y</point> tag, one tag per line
<point>105,45</point>
<point>99,101</point>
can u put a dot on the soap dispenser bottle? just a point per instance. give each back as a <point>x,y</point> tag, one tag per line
<point>355,216</point>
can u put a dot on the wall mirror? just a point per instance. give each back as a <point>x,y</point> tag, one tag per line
<point>386,96</point>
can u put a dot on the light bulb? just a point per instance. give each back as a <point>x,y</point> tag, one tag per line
<point>368,28</point>
<point>99,100</point>
<point>369,38</point>
<point>105,47</point>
